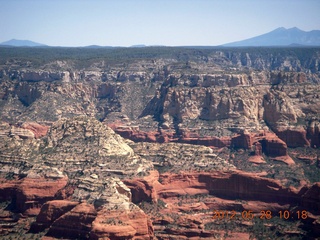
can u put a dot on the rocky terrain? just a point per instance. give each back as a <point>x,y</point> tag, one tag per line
<point>157,143</point>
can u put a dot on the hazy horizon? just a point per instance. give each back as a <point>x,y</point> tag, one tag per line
<point>171,23</point>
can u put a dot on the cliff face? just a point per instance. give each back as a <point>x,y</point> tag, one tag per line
<point>180,105</point>
<point>175,105</point>
<point>212,85</point>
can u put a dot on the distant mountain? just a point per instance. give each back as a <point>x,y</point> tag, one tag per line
<point>281,37</point>
<point>97,46</point>
<point>22,43</point>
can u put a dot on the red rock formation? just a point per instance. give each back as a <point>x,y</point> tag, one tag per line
<point>38,130</point>
<point>32,193</point>
<point>293,137</point>
<point>243,140</point>
<point>273,146</point>
<point>143,189</point>
<point>241,185</point>
<point>258,149</point>
<point>233,185</point>
<point>269,143</point>
<point>7,189</point>
<point>257,157</point>
<point>314,133</point>
<point>65,193</point>
<point>29,194</point>
<point>69,219</point>
<point>75,223</point>
<point>310,199</point>
<point>230,185</point>
<point>51,211</point>
<point>180,195</point>
<point>174,185</point>
<point>113,224</point>
<point>166,136</point>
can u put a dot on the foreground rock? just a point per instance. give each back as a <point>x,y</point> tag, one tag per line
<point>230,185</point>
<point>184,205</point>
<point>106,212</point>
<point>117,224</point>
<point>67,179</point>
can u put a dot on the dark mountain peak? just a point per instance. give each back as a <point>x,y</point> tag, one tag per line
<point>283,29</point>
<point>295,29</point>
<point>22,43</point>
<point>282,37</point>
<point>280,29</point>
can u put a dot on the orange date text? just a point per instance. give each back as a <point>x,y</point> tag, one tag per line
<point>263,214</point>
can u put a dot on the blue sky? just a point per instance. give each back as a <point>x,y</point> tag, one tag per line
<point>151,22</point>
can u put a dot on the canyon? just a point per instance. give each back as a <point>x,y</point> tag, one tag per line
<point>150,143</point>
